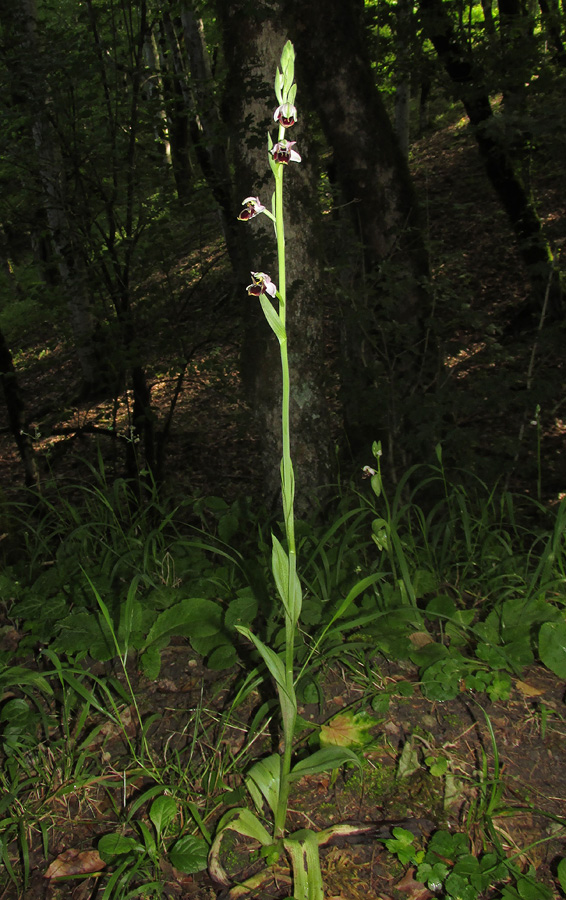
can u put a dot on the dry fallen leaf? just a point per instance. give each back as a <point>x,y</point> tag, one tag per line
<point>420,639</point>
<point>528,690</point>
<point>74,862</point>
<point>414,889</point>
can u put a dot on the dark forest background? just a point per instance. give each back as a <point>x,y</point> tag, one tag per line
<point>131,133</point>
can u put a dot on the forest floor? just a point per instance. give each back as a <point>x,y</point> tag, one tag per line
<point>211,452</point>
<point>393,788</point>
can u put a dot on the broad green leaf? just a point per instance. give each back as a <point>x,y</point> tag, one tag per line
<point>222,657</point>
<point>441,607</point>
<point>189,854</point>
<point>111,845</point>
<point>552,647</point>
<point>162,811</point>
<point>86,631</point>
<point>192,617</point>
<point>324,760</point>
<point>561,872</point>
<point>264,780</point>
<point>241,611</point>
<point>150,662</point>
<point>246,823</point>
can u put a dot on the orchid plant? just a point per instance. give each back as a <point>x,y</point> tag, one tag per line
<point>270,780</point>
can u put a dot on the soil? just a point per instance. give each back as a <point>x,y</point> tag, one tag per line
<point>392,789</point>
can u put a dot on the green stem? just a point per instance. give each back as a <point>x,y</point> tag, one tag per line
<point>288,491</point>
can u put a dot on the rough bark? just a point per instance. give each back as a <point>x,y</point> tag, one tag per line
<point>16,418</point>
<point>471,89</point>
<point>253,42</point>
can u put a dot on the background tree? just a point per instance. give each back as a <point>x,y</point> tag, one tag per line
<point>471,88</point>
<point>253,39</point>
<point>391,352</point>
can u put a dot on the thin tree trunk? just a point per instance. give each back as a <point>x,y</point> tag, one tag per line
<point>404,12</point>
<point>551,21</point>
<point>210,135</point>
<point>15,409</point>
<point>19,21</point>
<point>179,109</point>
<point>469,84</point>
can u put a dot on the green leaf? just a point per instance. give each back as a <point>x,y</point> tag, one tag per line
<point>561,873</point>
<point>289,591</point>
<point>111,845</point>
<point>273,319</point>
<point>441,607</point>
<point>241,611</point>
<point>85,631</point>
<point>222,657</point>
<point>189,854</point>
<point>18,675</point>
<point>325,760</point>
<point>273,662</point>
<point>303,849</point>
<point>227,527</point>
<point>552,647</point>
<point>150,662</point>
<point>162,812</point>
<point>264,780</point>
<point>192,617</point>
<point>246,823</point>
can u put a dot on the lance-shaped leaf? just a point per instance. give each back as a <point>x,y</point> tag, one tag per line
<point>274,663</point>
<point>289,590</point>
<point>243,821</point>
<point>324,760</point>
<point>273,319</point>
<point>264,780</point>
<point>305,861</point>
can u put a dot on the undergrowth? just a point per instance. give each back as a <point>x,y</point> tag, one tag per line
<point>460,579</point>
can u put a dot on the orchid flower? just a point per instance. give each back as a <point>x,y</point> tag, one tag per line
<point>254,207</point>
<point>261,284</point>
<point>283,152</point>
<point>285,114</point>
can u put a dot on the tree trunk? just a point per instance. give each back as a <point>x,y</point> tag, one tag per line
<point>210,135</point>
<point>551,20</point>
<point>253,44</point>
<point>403,40</point>
<point>28,70</point>
<point>178,108</point>
<point>391,354</point>
<point>15,409</point>
<point>471,90</point>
